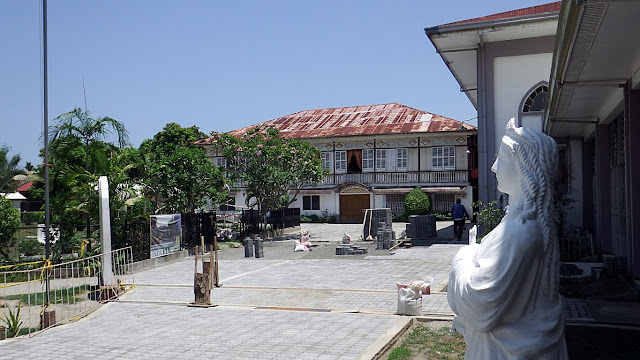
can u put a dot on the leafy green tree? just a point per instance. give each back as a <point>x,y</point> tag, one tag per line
<point>417,202</point>
<point>270,167</point>
<point>8,169</point>
<point>9,224</point>
<point>179,176</point>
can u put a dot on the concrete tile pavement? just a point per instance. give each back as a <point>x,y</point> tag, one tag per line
<point>268,309</point>
<point>142,331</point>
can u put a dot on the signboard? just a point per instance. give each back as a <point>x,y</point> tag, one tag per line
<point>54,234</point>
<point>165,234</point>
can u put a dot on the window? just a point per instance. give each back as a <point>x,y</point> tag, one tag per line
<point>311,202</point>
<point>395,202</point>
<point>401,159</point>
<point>221,162</point>
<point>367,160</point>
<point>443,157</point>
<point>381,159</point>
<point>537,99</point>
<point>327,160</point>
<point>341,161</point>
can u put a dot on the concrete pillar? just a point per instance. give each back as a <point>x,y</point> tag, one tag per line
<point>105,230</point>
<point>486,142</point>
<point>603,188</point>
<point>588,149</point>
<point>632,178</point>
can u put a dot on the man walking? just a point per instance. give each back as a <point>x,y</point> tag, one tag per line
<point>459,214</point>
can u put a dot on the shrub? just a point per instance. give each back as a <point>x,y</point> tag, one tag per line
<point>443,217</point>
<point>30,247</point>
<point>9,224</point>
<point>488,217</point>
<point>417,203</point>
<point>33,217</point>
<point>401,218</point>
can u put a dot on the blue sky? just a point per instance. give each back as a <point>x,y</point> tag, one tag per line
<point>222,65</point>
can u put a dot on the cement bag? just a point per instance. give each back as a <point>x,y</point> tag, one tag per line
<point>300,246</point>
<point>346,239</point>
<point>422,287</point>
<point>409,301</point>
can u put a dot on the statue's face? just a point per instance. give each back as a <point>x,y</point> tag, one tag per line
<point>505,169</point>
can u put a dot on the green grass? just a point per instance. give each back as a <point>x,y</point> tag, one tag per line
<point>422,342</point>
<point>65,295</point>
<point>400,353</point>
<point>22,331</point>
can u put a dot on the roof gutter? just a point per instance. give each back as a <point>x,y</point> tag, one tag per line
<point>570,14</point>
<point>479,26</point>
<point>441,29</point>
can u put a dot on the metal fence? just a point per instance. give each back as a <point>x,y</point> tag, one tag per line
<point>75,288</point>
<point>284,218</point>
<point>196,225</point>
<point>576,248</point>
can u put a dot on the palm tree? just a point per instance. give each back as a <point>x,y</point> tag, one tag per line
<point>8,168</point>
<point>80,125</point>
<point>91,132</point>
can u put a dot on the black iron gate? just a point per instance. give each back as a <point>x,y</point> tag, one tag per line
<point>196,225</point>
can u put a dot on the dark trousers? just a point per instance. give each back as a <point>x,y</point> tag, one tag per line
<point>458,225</point>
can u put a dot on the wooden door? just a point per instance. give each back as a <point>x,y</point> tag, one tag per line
<point>351,207</point>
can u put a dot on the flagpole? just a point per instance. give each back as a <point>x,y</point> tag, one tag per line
<point>47,216</point>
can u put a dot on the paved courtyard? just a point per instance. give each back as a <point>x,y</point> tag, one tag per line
<point>311,305</point>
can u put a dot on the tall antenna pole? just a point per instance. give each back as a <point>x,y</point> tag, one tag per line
<point>47,216</point>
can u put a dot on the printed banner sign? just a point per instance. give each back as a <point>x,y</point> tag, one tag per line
<point>165,234</point>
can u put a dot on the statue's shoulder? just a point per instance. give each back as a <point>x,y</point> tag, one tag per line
<point>521,228</point>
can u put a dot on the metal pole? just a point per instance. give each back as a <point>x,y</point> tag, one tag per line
<point>47,217</point>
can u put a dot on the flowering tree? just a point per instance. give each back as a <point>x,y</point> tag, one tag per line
<point>270,167</point>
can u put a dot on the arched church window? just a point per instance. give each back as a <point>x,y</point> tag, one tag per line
<point>537,99</point>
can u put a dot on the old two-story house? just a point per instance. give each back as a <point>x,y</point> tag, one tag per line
<point>376,154</point>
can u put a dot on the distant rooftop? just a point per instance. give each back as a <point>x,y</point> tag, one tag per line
<point>533,10</point>
<point>357,120</point>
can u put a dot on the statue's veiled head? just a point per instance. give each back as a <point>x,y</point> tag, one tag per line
<point>526,167</point>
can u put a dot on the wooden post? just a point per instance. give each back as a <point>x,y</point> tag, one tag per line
<point>201,283</point>
<point>216,274</point>
<point>195,271</point>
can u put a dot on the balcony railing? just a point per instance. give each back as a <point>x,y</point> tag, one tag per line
<point>408,177</point>
<point>379,178</point>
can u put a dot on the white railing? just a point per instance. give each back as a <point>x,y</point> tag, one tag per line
<point>434,177</point>
<point>75,288</point>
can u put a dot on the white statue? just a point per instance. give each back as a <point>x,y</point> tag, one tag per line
<point>504,291</point>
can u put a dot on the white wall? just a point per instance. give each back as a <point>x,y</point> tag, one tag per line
<point>379,201</point>
<point>327,202</point>
<point>513,78</point>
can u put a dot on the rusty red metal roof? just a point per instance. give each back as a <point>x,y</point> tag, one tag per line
<point>533,10</point>
<point>357,120</point>
<point>26,186</point>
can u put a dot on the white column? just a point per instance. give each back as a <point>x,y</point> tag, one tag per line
<point>105,230</point>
